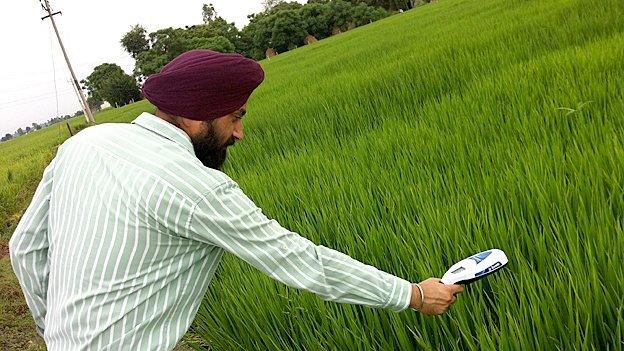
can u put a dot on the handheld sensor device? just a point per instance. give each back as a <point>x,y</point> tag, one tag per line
<point>475,267</point>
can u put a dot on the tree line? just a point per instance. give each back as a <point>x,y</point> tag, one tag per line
<point>36,126</point>
<point>279,27</point>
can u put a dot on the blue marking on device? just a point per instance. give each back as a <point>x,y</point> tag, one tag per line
<point>480,256</point>
<point>489,269</point>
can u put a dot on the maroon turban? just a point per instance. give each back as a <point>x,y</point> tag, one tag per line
<point>203,84</point>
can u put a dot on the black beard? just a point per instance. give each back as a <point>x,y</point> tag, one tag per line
<point>208,149</point>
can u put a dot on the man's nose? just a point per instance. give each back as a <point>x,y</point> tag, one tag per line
<point>238,132</point>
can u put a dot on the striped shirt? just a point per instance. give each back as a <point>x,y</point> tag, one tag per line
<point>126,230</point>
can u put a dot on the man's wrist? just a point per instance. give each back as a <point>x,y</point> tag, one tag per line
<point>417,301</point>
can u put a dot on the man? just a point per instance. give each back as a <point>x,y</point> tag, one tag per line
<point>130,221</point>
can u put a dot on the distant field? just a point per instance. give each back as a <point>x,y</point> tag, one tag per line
<point>416,141</point>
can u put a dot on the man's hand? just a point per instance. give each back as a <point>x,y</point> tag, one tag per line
<point>438,296</point>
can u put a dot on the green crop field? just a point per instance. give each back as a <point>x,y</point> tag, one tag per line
<point>411,143</point>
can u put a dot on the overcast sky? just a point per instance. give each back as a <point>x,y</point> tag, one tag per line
<point>90,31</point>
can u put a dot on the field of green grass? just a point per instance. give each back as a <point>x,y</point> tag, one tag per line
<point>411,143</point>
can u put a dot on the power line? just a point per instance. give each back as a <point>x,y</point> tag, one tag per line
<point>23,88</point>
<point>12,106</point>
<point>33,98</point>
<point>20,75</point>
<point>54,75</point>
<point>76,91</point>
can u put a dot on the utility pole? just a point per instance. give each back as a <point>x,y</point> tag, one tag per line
<point>85,105</point>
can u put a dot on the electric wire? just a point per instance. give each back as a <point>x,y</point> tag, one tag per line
<point>46,96</point>
<point>54,73</point>
<point>54,80</point>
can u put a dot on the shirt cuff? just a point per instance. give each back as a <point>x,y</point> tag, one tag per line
<point>400,299</point>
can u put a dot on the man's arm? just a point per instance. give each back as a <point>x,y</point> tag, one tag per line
<point>29,250</point>
<point>229,219</point>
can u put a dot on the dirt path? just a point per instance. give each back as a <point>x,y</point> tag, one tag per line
<point>4,251</point>
<point>17,328</point>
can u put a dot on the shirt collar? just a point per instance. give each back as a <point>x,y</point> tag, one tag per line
<point>164,129</point>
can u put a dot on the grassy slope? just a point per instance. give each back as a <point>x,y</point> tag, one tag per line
<point>415,141</point>
<point>426,137</point>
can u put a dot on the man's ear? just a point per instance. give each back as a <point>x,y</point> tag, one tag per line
<point>190,126</point>
<point>187,123</point>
